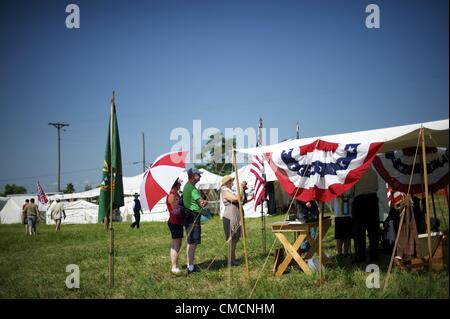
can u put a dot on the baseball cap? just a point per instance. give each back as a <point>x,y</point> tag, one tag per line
<point>193,171</point>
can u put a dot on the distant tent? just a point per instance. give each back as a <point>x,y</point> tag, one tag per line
<point>77,212</point>
<point>3,201</point>
<point>11,213</point>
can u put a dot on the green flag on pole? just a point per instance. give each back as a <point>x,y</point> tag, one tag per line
<point>112,170</point>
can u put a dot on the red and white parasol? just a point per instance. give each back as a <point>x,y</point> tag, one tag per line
<point>159,178</point>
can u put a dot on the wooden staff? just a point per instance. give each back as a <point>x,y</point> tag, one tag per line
<point>111,236</point>
<point>241,213</point>
<point>402,215</point>
<point>425,176</point>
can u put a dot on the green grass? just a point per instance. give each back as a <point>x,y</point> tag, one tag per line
<point>34,267</point>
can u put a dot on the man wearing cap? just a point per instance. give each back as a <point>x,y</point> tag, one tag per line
<point>193,204</point>
<point>137,210</point>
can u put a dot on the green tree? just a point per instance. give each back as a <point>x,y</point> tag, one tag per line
<point>213,161</point>
<point>69,189</point>
<point>88,187</point>
<point>13,189</point>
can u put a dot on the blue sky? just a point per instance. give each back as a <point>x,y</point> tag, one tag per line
<point>223,62</point>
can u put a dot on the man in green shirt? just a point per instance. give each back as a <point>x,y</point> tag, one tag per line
<point>193,204</point>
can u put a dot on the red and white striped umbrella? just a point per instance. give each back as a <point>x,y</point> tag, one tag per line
<point>159,178</point>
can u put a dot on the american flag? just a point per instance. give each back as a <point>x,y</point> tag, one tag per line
<point>393,197</point>
<point>260,182</point>
<point>42,198</point>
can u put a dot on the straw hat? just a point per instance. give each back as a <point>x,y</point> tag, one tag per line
<point>226,179</point>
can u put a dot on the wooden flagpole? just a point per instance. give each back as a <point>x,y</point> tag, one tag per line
<point>425,178</point>
<point>111,235</point>
<point>241,213</point>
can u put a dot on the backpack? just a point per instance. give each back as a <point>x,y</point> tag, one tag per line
<point>179,210</point>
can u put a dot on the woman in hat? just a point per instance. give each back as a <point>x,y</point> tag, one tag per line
<point>231,218</point>
<point>175,223</point>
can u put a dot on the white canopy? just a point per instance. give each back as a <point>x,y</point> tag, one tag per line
<point>394,138</point>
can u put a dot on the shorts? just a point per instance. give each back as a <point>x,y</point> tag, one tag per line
<point>193,229</point>
<point>227,230</point>
<point>344,228</point>
<point>32,221</point>
<point>176,230</point>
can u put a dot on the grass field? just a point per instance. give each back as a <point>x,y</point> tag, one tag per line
<point>35,267</point>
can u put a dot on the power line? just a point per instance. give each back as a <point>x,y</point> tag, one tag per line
<point>63,173</point>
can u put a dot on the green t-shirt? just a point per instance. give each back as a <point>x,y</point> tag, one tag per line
<point>190,197</point>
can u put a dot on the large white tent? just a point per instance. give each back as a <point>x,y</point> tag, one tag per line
<point>394,138</point>
<point>77,212</point>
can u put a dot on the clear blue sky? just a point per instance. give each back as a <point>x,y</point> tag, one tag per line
<point>224,62</point>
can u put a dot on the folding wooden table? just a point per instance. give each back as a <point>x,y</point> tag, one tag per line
<point>302,233</point>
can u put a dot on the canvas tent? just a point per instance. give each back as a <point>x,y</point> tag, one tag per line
<point>11,213</point>
<point>435,134</point>
<point>77,212</point>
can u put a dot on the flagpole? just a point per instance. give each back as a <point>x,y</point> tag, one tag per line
<point>111,230</point>
<point>241,213</point>
<point>263,218</point>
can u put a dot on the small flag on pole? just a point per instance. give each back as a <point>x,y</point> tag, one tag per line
<point>42,198</point>
<point>260,182</point>
<point>393,197</point>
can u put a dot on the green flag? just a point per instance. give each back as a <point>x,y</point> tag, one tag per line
<point>112,170</point>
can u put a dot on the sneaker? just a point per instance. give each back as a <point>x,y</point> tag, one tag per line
<point>176,271</point>
<point>190,269</point>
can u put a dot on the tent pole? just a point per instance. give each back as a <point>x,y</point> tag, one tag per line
<point>241,213</point>
<point>321,210</point>
<point>402,215</point>
<point>427,206</point>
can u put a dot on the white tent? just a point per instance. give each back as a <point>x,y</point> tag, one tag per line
<point>394,138</point>
<point>11,213</point>
<point>77,212</point>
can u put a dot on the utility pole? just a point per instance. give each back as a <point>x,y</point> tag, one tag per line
<point>59,126</point>
<point>143,152</point>
<point>298,130</point>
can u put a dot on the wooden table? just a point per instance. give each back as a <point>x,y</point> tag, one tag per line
<point>302,233</point>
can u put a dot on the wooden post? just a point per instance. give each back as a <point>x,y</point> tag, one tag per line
<point>427,206</point>
<point>402,215</point>
<point>111,236</point>
<point>321,208</point>
<point>244,237</point>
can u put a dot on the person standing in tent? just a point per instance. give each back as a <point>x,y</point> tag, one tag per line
<point>24,215</point>
<point>365,216</point>
<point>193,204</point>
<point>58,213</point>
<point>32,216</point>
<point>343,229</point>
<point>231,218</point>
<point>175,223</point>
<point>137,210</point>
